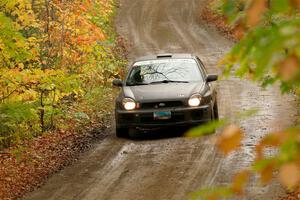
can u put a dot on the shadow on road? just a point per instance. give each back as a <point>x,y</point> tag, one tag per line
<point>158,134</point>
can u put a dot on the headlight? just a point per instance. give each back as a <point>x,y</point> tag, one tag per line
<point>129,104</point>
<point>195,100</point>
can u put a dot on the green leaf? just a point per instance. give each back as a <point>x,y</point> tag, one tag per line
<point>279,6</point>
<point>222,192</point>
<point>205,129</point>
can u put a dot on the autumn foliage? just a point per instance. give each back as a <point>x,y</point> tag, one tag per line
<point>57,59</point>
<point>52,53</point>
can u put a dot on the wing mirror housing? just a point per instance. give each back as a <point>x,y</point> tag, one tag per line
<point>211,78</point>
<point>118,82</point>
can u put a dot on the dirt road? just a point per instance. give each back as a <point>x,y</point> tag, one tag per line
<point>169,168</point>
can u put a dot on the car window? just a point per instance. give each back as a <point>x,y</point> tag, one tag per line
<point>181,70</point>
<point>202,66</point>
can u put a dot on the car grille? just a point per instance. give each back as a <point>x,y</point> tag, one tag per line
<point>167,104</point>
<point>197,115</point>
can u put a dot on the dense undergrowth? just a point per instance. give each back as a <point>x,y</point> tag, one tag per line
<point>57,59</point>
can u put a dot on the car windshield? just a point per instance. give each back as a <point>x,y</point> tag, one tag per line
<point>164,71</point>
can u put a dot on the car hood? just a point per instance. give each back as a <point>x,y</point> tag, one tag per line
<point>164,91</point>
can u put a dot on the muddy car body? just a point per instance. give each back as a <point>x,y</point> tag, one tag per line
<point>165,90</point>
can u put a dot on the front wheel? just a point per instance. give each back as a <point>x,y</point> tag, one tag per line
<point>122,132</point>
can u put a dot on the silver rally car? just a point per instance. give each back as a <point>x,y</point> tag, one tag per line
<point>165,90</point>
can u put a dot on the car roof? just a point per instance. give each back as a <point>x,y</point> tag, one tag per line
<point>166,56</point>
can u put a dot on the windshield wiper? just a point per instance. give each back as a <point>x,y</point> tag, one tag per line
<point>134,84</point>
<point>168,81</point>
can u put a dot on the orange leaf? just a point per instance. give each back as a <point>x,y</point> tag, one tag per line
<point>230,139</point>
<point>266,174</point>
<point>289,68</point>
<point>271,140</point>
<point>289,175</point>
<point>239,182</point>
<point>212,197</point>
<point>295,3</point>
<point>255,12</point>
<point>259,151</point>
<point>239,31</point>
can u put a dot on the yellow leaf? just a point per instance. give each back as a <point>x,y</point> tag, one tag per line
<point>289,175</point>
<point>21,65</point>
<point>230,139</point>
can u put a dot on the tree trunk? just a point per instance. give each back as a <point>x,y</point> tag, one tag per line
<point>42,113</point>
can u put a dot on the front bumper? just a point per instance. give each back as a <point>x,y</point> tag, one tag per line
<point>180,117</point>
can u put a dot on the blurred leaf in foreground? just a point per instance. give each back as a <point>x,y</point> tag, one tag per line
<point>295,3</point>
<point>289,175</point>
<point>230,139</point>
<point>266,172</point>
<point>239,182</point>
<point>205,129</point>
<point>211,193</point>
<point>289,68</point>
<point>255,12</point>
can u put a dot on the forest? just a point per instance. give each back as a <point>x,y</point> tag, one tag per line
<point>56,58</point>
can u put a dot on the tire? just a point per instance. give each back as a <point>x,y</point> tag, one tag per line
<point>214,116</point>
<point>122,132</point>
<point>216,111</point>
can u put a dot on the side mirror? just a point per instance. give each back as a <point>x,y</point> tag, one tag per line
<point>211,78</point>
<point>117,82</point>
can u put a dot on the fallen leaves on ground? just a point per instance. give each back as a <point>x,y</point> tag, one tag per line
<point>292,196</point>
<point>232,32</point>
<point>22,169</point>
